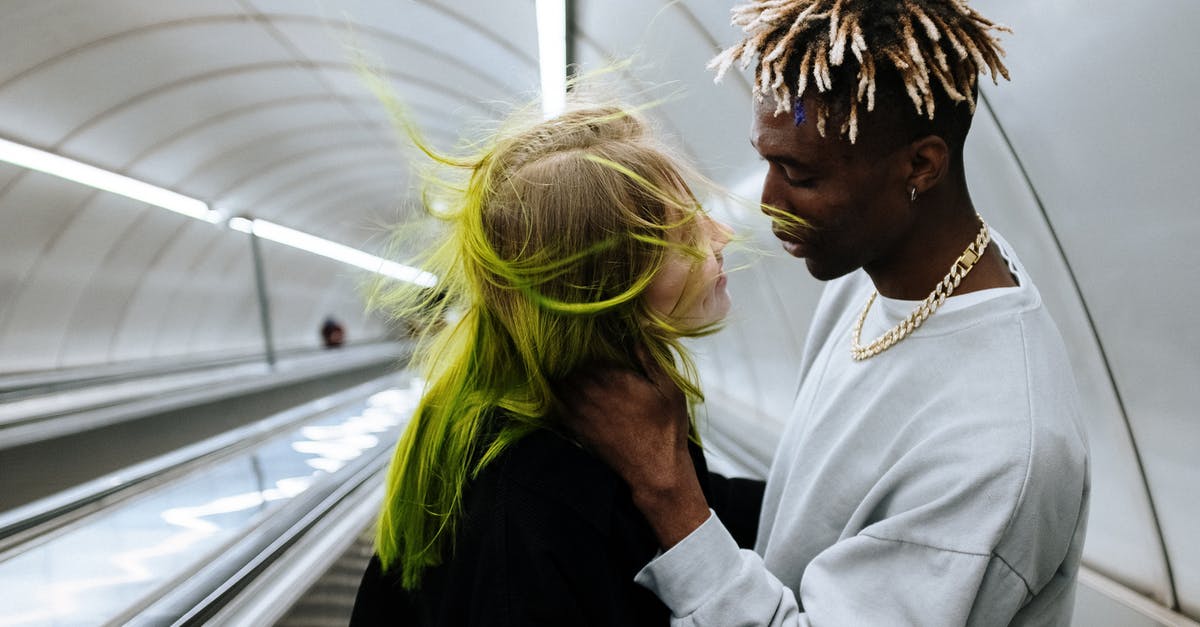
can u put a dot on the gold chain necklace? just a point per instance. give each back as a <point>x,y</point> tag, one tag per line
<point>961,267</point>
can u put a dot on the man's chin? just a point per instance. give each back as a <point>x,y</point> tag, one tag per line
<point>819,268</point>
<point>824,272</point>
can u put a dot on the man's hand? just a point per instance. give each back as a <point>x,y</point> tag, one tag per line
<point>638,424</point>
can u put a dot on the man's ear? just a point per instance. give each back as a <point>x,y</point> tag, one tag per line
<point>929,158</point>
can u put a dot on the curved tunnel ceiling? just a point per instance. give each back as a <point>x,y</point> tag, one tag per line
<point>255,106</point>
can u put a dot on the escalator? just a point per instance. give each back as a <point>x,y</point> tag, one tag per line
<point>233,529</point>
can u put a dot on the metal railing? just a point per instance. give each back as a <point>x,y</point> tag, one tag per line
<point>22,524</point>
<point>33,419</point>
<point>347,437</point>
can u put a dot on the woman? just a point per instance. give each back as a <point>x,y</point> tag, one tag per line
<point>572,243</point>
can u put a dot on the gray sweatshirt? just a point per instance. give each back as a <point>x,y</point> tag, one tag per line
<point>941,482</point>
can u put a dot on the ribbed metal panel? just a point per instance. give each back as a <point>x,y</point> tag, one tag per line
<point>329,601</point>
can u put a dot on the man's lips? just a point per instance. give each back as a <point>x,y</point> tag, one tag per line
<point>792,243</point>
<point>786,236</point>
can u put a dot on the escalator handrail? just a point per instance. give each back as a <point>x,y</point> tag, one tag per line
<point>39,428</point>
<point>58,509</point>
<point>204,590</point>
<point>34,382</point>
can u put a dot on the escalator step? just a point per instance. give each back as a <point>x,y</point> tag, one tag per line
<point>329,601</point>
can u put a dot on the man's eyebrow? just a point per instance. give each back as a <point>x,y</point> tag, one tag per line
<point>784,159</point>
<point>754,145</point>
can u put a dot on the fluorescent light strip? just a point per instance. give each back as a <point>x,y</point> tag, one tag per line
<point>245,225</point>
<point>332,250</point>
<point>92,176</point>
<point>62,167</point>
<point>552,53</point>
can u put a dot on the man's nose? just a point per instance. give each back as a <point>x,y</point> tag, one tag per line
<point>770,196</point>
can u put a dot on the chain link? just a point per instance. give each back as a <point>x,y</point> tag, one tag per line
<point>958,271</point>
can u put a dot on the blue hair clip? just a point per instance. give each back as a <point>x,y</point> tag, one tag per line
<point>798,115</point>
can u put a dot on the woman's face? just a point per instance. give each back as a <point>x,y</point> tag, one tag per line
<point>691,292</point>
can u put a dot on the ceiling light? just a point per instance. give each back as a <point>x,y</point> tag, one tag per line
<point>62,167</point>
<point>241,224</point>
<point>552,53</point>
<point>332,250</point>
<point>92,176</point>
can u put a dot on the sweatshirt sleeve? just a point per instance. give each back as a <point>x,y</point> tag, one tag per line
<point>707,580</point>
<point>864,580</point>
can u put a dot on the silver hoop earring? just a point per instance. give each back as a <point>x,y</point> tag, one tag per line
<point>912,197</point>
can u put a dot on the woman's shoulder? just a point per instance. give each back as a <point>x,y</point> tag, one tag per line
<point>547,475</point>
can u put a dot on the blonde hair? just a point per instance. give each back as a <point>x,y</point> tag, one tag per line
<point>554,230</point>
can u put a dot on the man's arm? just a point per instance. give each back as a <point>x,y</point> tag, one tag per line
<point>639,427</point>
<point>705,579</point>
<point>861,580</point>
<point>738,503</point>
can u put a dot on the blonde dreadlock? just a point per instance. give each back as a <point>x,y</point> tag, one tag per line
<point>806,40</point>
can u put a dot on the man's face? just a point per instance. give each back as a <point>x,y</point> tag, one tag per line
<point>853,196</point>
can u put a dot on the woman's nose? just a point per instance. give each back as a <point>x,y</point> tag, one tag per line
<point>723,235</point>
<point>718,232</point>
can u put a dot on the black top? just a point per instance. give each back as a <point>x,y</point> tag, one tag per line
<point>549,536</point>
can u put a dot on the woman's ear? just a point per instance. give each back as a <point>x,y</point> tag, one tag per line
<point>929,160</point>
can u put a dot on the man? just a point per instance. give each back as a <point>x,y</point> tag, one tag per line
<point>934,470</point>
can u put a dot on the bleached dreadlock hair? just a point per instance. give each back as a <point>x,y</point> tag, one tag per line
<point>931,50</point>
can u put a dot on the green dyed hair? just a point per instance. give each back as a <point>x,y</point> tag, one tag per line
<point>553,231</point>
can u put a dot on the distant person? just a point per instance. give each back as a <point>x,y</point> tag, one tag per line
<point>333,334</point>
<point>934,470</point>
<point>574,241</point>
